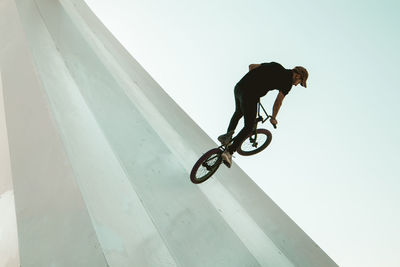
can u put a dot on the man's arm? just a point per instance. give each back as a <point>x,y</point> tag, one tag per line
<point>253,66</point>
<point>277,106</point>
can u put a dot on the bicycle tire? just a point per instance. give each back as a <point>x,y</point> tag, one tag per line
<point>246,147</point>
<point>215,156</point>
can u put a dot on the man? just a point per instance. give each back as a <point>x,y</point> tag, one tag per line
<point>260,79</point>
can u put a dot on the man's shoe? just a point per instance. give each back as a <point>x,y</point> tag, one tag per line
<point>227,158</point>
<point>225,138</point>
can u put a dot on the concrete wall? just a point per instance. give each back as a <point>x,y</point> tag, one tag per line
<point>8,224</point>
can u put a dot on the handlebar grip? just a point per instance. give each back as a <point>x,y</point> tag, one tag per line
<point>272,123</point>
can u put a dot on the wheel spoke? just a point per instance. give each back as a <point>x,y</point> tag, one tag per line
<point>252,143</point>
<point>207,166</point>
<point>255,143</point>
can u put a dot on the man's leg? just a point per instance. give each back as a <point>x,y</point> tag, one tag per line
<point>237,115</point>
<point>226,138</point>
<point>249,107</point>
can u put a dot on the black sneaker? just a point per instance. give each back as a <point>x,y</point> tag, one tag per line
<point>225,138</point>
<point>227,158</point>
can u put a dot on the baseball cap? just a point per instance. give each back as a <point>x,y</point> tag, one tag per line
<point>303,73</point>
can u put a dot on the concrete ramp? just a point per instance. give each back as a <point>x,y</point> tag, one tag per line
<point>99,158</point>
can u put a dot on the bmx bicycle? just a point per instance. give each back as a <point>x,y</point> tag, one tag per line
<point>256,142</point>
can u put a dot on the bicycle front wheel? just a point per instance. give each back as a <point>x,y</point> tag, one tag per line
<point>256,142</point>
<point>206,166</point>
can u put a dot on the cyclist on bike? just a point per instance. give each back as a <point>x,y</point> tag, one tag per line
<point>260,79</point>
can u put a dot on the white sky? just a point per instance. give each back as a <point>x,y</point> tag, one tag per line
<point>332,164</point>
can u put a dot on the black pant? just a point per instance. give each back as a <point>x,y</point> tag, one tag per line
<point>245,106</point>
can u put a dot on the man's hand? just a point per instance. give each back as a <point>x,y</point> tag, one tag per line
<point>275,109</point>
<point>273,121</point>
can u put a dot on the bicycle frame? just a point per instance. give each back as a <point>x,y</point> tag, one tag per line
<point>212,159</point>
<point>253,137</point>
<point>258,119</point>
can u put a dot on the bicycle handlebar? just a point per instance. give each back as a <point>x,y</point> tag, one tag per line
<point>268,116</point>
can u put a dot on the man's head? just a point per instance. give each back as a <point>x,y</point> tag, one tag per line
<point>300,75</point>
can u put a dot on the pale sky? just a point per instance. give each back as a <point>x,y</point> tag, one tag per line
<point>331,165</point>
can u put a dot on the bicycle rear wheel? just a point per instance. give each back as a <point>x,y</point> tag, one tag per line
<point>206,166</point>
<point>255,143</point>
